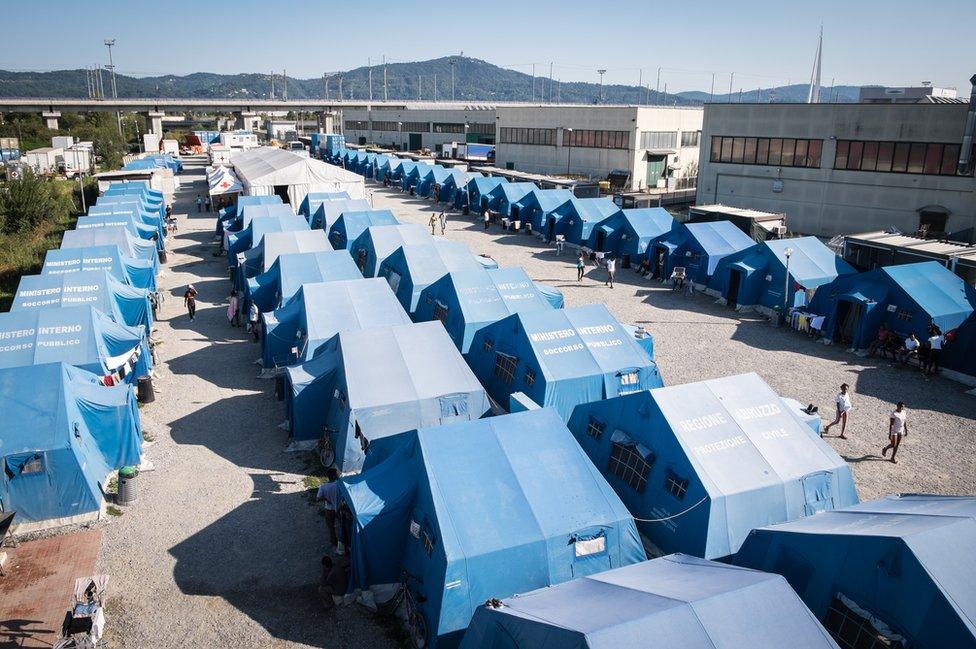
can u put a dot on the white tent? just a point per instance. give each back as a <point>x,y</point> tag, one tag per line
<point>223,181</point>
<point>265,171</point>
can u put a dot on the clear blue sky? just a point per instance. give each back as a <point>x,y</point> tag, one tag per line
<point>764,42</point>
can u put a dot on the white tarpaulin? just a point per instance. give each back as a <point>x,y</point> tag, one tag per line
<point>263,169</point>
<point>223,181</point>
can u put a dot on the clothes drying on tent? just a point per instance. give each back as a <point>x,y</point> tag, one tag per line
<point>308,324</point>
<point>351,224</point>
<point>465,302</point>
<point>698,248</point>
<point>80,336</point>
<point>412,268</point>
<point>140,230</point>
<point>311,203</point>
<point>376,243</point>
<point>113,235</point>
<point>267,170</point>
<point>281,282</point>
<point>232,218</point>
<point>576,219</point>
<point>253,234</point>
<point>505,195</point>
<point>676,600</point>
<point>756,276</point>
<point>128,270</point>
<point>381,382</point>
<point>561,358</point>
<point>536,206</point>
<point>906,298</point>
<point>328,212</point>
<point>126,304</point>
<point>898,570</point>
<point>58,444</point>
<point>472,512</point>
<point>262,257</point>
<point>480,189</point>
<point>715,458</point>
<point>626,233</point>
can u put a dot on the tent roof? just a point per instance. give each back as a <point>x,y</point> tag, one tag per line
<point>719,237</point>
<point>704,417</point>
<point>493,294</point>
<point>811,262</point>
<point>276,244</point>
<point>91,287</point>
<point>266,224</point>
<point>649,222</point>
<point>429,261</point>
<point>934,287</point>
<point>359,221</point>
<point>592,209</point>
<point>266,166</point>
<point>118,235</point>
<point>109,256</point>
<point>332,210</point>
<point>297,268</point>
<point>514,191</point>
<point>546,199</point>
<point>263,211</point>
<point>387,365</point>
<point>678,599</point>
<point>484,184</point>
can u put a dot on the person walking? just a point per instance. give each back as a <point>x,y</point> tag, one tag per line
<point>936,341</point>
<point>233,309</point>
<point>190,301</point>
<point>484,216</point>
<point>897,428</point>
<point>206,203</point>
<point>443,219</point>
<point>254,319</point>
<point>611,269</point>
<point>432,222</point>
<point>844,405</point>
<point>580,266</point>
<point>199,203</point>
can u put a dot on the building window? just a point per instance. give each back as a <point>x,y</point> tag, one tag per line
<point>933,159</point>
<point>488,344</point>
<point>385,126</point>
<point>530,377</point>
<point>354,125</point>
<point>415,127</point>
<point>906,315</point>
<point>591,139</point>
<point>690,138</point>
<point>662,139</point>
<point>776,152</point>
<point>853,627</point>
<point>481,128</point>
<point>675,485</point>
<point>448,127</point>
<point>539,136</point>
<point>440,311</point>
<point>628,462</point>
<point>505,366</point>
<point>595,428</point>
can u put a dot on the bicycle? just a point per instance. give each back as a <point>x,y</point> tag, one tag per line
<point>417,627</point>
<point>325,450</point>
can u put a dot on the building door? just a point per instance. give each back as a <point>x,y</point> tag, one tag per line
<point>416,141</point>
<point>735,279</point>
<point>932,222</point>
<point>659,262</point>
<point>655,169</point>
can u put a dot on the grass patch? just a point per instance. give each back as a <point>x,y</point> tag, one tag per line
<point>314,481</point>
<point>112,510</point>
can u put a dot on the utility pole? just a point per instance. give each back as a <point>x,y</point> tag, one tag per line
<point>640,84</point>
<point>284,82</point>
<point>420,87</point>
<point>453,62</point>
<point>384,78</point>
<point>369,76</point>
<point>533,82</point>
<point>711,92</point>
<point>557,91</point>
<point>109,42</point>
<point>657,86</point>
<point>325,80</point>
<point>272,84</point>
<point>550,82</point>
<point>601,73</point>
<point>341,96</point>
<point>101,84</point>
<point>435,88</point>
<point>731,77</point>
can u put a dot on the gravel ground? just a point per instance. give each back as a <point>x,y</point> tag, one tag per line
<point>222,549</point>
<point>696,339</point>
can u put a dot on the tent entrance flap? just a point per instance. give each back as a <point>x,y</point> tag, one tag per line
<point>846,321</point>
<point>281,191</point>
<point>817,494</point>
<point>735,281</point>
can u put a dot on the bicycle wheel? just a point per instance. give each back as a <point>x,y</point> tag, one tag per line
<point>418,630</point>
<point>327,455</point>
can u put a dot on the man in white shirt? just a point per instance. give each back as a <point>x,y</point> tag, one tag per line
<point>844,405</point>
<point>611,269</point>
<point>897,428</point>
<point>909,349</point>
<point>935,353</point>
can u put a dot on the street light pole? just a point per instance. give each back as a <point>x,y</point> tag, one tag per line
<point>786,286</point>
<point>601,73</point>
<point>109,43</point>
<point>569,150</point>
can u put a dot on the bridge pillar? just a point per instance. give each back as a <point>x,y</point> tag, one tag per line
<point>51,119</point>
<point>247,120</point>
<point>326,121</point>
<point>156,122</point>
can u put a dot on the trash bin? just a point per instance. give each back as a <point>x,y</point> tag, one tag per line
<point>162,256</point>
<point>128,489</point>
<point>144,390</point>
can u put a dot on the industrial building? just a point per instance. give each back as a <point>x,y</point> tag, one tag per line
<point>639,146</point>
<point>842,168</point>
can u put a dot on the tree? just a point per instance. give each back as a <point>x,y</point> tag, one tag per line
<point>31,201</point>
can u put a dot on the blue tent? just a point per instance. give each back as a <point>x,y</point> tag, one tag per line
<point>141,230</point>
<point>274,210</point>
<point>552,294</point>
<point>464,302</point>
<point>126,304</point>
<point>756,276</point>
<point>561,358</point>
<point>329,212</point>
<point>135,187</point>
<point>480,191</point>
<point>253,234</point>
<point>381,382</point>
<point>79,335</point>
<point>453,184</point>
<point>130,245</point>
<point>262,257</point>
<point>717,458</point>
<point>505,195</point>
<point>351,224</point>
<point>313,200</point>
<point>61,434</point>
<point>141,212</point>
<point>428,177</point>
<point>536,206</point>
<point>382,166</point>
<point>412,268</point>
<point>482,509</point>
<point>627,232</point>
<point>899,569</point>
<point>155,161</point>
<point>576,219</point>
<point>275,287</point>
<point>906,298</point>
<point>673,601</point>
<point>376,243</point>
<point>311,320</point>
<point>411,175</point>
<point>960,354</point>
<point>698,248</point>
<point>232,217</point>
<point>128,270</point>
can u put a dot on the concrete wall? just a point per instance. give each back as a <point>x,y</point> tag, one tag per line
<point>824,201</point>
<point>456,114</point>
